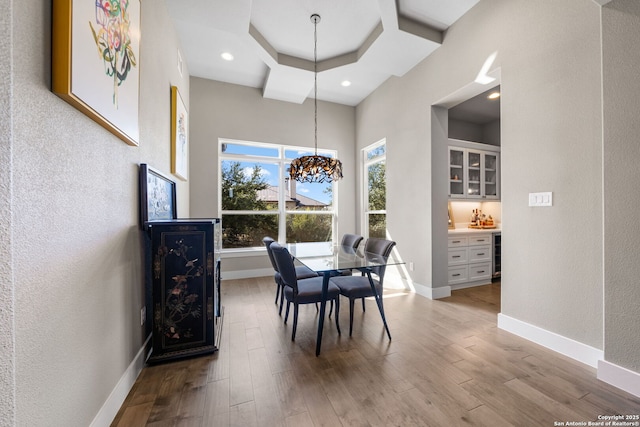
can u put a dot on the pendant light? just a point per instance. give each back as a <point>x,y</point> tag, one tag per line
<point>315,168</point>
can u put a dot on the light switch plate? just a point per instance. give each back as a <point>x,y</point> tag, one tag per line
<point>541,199</point>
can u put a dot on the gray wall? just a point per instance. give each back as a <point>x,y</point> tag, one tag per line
<point>7,305</point>
<point>70,262</point>
<point>621,38</point>
<point>220,110</point>
<point>488,133</point>
<point>549,56</point>
<point>74,261</point>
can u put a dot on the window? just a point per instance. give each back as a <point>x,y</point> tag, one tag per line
<point>258,199</point>
<point>375,191</point>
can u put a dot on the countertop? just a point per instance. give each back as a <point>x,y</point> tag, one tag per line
<point>474,230</point>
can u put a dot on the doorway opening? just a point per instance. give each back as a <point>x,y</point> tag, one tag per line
<point>466,182</point>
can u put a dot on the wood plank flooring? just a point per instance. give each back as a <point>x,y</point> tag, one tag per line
<point>447,365</point>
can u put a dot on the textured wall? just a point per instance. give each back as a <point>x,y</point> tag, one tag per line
<point>549,55</point>
<point>77,260</point>
<point>7,313</point>
<point>621,38</point>
<point>221,110</point>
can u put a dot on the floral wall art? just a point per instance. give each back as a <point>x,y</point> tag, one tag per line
<point>96,45</point>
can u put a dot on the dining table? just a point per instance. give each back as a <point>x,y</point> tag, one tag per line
<point>328,259</point>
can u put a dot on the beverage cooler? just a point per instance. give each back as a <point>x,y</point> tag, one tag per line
<point>185,279</point>
<point>497,255</point>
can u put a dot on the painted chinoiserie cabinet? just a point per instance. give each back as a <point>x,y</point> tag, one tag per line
<point>185,279</point>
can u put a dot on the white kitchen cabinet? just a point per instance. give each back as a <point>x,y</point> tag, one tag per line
<point>470,260</point>
<point>457,167</point>
<point>474,171</point>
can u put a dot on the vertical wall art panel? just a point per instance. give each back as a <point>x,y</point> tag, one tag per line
<point>179,135</point>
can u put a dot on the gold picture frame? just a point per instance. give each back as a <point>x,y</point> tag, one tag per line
<point>96,70</point>
<point>179,136</point>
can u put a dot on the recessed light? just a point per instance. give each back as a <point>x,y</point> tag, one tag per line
<point>227,56</point>
<point>346,83</point>
<point>494,95</point>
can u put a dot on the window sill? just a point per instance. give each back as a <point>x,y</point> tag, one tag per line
<point>243,252</point>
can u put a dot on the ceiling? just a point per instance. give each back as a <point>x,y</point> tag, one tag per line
<point>479,110</point>
<point>272,42</point>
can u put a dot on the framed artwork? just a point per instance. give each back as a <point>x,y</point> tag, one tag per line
<point>157,196</point>
<point>95,51</point>
<point>179,136</point>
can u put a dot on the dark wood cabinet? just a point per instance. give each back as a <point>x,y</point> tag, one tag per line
<point>185,280</point>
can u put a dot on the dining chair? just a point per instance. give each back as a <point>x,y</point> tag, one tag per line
<point>301,291</point>
<point>352,241</point>
<point>302,272</point>
<point>359,287</point>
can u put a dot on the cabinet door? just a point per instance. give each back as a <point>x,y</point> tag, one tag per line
<point>491,181</point>
<point>459,274</point>
<point>479,253</point>
<point>480,271</point>
<point>183,290</point>
<point>474,174</point>
<point>459,256</point>
<point>456,172</point>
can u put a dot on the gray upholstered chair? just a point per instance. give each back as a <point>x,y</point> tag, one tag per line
<point>301,291</point>
<point>352,240</point>
<point>355,287</point>
<point>302,272</point>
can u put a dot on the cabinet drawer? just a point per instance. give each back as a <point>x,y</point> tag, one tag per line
<point>480,271</point>
<point>480,253</point>
<point>484,239</point>
<point>455,242</point>
<point>458,256</point>
<point>458,274</point>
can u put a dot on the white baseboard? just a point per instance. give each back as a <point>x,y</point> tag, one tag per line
<point>432,293</point>
<point>619,377</point>
<point>246,274</point>
<point>470,284</point>
<point>115,400</point>
<point>563,345</point>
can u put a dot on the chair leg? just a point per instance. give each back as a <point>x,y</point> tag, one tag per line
<point>363,309</point>
<point>277,292</point>
<point>286,314</point>
<point>351,303</point>
<point>330,308</point>
<point>281,300</point>
<point>337,313</point>
<point>295,321</point>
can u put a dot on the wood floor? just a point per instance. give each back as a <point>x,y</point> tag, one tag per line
<point>447,365</point>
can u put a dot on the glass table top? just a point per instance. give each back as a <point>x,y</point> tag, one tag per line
<point>325,257</point>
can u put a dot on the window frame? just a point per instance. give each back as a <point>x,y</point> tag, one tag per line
<point>366,162</point>
<point>283,163</point>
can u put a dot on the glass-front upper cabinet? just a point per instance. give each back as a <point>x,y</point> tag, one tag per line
<point>491,175</point>
<point>474,173</point>
<point>456,172</point>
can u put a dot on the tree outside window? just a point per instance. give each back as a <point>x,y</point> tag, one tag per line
<point>240,192</point>
<point>376,190</point>
<point>258,200</point>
